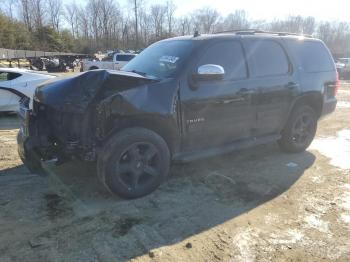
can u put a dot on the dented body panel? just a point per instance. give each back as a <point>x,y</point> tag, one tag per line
<point>81,112</point>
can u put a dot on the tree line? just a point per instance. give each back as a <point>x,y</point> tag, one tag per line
<point>51,25</point>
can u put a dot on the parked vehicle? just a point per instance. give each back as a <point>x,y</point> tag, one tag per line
<point>16,84</point>
<point>183,99</point>
<point>343,67</point>
<point>114,61</point>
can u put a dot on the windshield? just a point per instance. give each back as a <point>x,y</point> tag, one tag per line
<point>162,59</point>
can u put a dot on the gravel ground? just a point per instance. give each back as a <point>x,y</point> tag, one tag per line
<point>255,205</point>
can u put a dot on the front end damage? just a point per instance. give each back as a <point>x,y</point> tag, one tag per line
<point>72,117</point>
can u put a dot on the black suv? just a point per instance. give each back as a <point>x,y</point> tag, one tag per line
<point>182,99</point>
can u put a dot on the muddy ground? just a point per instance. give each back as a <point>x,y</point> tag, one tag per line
<point>255,205</point>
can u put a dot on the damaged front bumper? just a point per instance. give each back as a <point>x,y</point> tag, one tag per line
<point>38,135</point>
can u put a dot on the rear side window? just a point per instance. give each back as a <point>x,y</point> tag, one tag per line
<point>7,76</point>
<point>267,57</point>
<point>314,57</point>
<point>125,58</point>
<point>229,55</point>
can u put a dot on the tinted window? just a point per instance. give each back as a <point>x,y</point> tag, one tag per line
<point>314,57</point>
<point>229,55</point>
<point>125,57</point>
<point>3,76</point>
<point>268,58</point>
<point>7,76</point>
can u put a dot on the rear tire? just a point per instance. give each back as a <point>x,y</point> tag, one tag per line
<point>299,131</point>
<point>133,162</point>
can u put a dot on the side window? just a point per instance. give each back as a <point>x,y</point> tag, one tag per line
<point>125,58</point>
<point>3,76</point>
<point>229,55</point>
<point>268,58</point>
<point>315,57</point>
<point>11,76</point>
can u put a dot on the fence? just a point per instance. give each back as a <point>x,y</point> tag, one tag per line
<point>8,54</point>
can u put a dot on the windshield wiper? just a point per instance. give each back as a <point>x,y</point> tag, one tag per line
<point>144,74</point>
<point>138,72</point>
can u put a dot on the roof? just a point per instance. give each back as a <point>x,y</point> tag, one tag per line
<point>241,33</point>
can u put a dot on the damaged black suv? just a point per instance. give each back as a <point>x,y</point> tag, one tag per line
<point>182,99</point>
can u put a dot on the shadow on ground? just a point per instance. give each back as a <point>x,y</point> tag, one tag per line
<point>86,222</point>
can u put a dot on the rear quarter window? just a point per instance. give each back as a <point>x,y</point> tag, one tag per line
<point>314,56</point>
<point>8,76</point>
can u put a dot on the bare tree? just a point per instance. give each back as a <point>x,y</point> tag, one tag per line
<point>9,8</point>
<point>136,7</point>
<point>236,20</point>
<point>205,19</point>
<point>71,15</point>
<point>145,26</point>
<point>38,11</point>
<point>26,13</point>
<point>309,25</point>
<point>170,10</point>
<point>158,15</point>
<point>55,11</point>
<point>83,22</point>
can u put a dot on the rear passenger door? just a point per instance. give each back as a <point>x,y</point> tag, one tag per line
<point>272,75</point>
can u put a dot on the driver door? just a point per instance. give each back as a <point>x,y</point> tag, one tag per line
<point>218,112</point>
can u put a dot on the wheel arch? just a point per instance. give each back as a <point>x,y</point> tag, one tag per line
<point>163,126</point>
<point>313,99</point>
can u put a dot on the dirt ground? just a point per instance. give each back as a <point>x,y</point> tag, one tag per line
<point>255,205</point>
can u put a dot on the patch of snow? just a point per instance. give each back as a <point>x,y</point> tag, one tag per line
<point>346,200</point>
<point>292,236</point>
<point>295,235</point>
<point>313,221</point>
<point>244,241</point>
<point>345,218</point>
<point>336,148</point>
<point>343,104</point>
<point>318,179</point>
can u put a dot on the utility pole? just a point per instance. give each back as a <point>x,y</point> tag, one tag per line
<point>136,26</point>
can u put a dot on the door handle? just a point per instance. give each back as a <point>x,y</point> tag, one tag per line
<point>246,91</point>
<point>292,85</point>
<point>233,100</point>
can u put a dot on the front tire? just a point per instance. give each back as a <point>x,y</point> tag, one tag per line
<point>299,131</point>
<point>134,162</point>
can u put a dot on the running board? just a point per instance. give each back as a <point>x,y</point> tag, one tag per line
<point>242,144</point>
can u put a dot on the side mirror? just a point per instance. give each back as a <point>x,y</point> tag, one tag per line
<point>210,72</point>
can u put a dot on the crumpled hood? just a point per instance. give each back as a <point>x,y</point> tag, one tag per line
<point>74,94</point>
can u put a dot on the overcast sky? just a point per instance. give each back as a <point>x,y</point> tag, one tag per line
<point>263,9</point>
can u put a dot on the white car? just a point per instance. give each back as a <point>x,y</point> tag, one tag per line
<point>114,61</point>
<point>17,83</point>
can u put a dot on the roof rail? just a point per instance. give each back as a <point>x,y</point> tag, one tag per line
<point>257,31</point>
